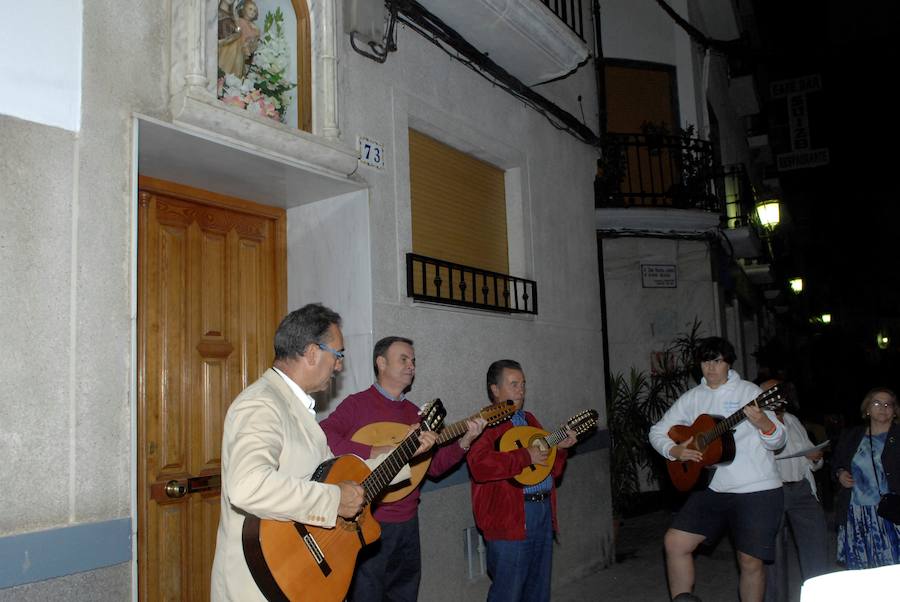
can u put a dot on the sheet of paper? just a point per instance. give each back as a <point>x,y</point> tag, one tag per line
<point>822,445</point>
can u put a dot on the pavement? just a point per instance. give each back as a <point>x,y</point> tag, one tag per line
<point>639,571</point>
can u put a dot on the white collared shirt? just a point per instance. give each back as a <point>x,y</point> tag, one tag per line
<point>797,469</point>
<point>308,401</point>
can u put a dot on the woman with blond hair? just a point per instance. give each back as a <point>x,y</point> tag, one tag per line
<point>867,465</point>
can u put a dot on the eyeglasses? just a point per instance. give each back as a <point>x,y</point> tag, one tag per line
<point>339,355</point>
<point>883,404</point>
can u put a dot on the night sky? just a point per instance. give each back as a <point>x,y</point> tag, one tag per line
<point>840,228</point>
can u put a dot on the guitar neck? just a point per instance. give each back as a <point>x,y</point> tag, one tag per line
<point>729,423</point>
<point>385,472</point>
<point>556,436</point>
<point>457,429</point>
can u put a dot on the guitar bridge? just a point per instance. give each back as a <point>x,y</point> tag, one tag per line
<point>313,548</point>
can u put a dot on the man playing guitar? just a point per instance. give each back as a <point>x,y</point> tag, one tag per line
<point>390,569</point>
<point>744,497</point>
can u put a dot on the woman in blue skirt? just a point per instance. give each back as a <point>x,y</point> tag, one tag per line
<point>867,465</point>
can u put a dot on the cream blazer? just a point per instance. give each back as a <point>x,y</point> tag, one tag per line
<point>271,445</point>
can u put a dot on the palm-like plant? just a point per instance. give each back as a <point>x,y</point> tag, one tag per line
<point>638,402</point>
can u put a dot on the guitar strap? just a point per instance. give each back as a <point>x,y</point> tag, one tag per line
<point>313,548</point>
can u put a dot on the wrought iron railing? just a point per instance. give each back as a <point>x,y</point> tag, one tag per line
<point>569,12</point>
<point>656,170</point>
<point>737,196</point>
<point>439,281</point>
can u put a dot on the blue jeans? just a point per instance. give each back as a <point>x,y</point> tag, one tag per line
<point>520,570</point>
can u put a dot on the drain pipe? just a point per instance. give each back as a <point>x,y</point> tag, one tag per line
<point>599,69</point>
<point>600,73</point>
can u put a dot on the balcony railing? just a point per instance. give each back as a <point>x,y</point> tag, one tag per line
<point>569,12</point>
<point>656,170</point>
<point>439,281</point>
<point>736,194</point>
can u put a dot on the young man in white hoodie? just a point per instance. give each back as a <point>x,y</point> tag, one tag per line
<point>743,497</point>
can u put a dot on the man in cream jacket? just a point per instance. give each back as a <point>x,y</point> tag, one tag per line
<point>272,444</point>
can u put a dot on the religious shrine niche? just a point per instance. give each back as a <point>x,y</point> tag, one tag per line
<point>264,59</point>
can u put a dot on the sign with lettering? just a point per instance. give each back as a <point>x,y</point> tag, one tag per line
<point>800,85</point>
<point>801,159</point>
<point>799,122</point>
<point>655,275</point>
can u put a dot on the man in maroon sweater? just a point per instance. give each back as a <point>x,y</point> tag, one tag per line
<point>390,568</point>
<point>517,522</point>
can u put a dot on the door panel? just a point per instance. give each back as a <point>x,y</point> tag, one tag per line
<point>211,289</point>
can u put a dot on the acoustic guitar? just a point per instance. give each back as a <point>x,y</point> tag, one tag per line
<point>390,433</point>
<point>292,561</point>
<point>527,436</point>
<point>713,437</point>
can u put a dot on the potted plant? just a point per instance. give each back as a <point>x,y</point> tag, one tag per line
<point>636,403</point>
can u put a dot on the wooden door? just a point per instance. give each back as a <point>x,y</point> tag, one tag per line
<point>211,290</point>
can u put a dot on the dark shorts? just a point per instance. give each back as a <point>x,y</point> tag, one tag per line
<point>751,518</point>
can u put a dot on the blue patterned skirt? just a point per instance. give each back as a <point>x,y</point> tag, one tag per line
<point>867,540</point>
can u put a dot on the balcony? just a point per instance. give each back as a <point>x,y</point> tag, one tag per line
<point>742,228</point>
<point>437,281</point>
<point>534,40</point>
<point>656,170</point>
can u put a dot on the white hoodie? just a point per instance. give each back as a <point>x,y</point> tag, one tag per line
<point>753,468</point>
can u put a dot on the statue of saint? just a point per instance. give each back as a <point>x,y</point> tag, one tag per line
<point>238,35</point>
<point>248,12</point>
<point>231,56</point>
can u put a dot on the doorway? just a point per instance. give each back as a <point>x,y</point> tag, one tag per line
<point>211,290</point>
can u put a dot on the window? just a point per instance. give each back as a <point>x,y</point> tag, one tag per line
<point>459,217</point>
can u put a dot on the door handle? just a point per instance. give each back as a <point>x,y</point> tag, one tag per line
<point>175,489</point>
<point>178,488</point>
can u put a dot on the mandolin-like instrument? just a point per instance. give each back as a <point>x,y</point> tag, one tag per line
<point>391,433</point>
<point>527,436</point>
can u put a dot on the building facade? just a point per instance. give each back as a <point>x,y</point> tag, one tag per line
<point>154,233</point>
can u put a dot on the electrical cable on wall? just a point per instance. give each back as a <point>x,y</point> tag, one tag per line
<point>414,16</point>
<point>379,52</point>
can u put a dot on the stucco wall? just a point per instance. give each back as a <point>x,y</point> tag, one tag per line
<point>67,252</point>
<point>66,299</point>
<point>551,241</point>
<point>655,316</point>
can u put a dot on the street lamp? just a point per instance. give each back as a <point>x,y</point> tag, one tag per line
<point>768,213</point>
<point>796,285</point>
<point>882,340</point>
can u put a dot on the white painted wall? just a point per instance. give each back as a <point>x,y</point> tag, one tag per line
<point>68,213</point>
<point>551,240</point>
<point>41,62</point>
<point>329,262</point>
<point>645,320</point>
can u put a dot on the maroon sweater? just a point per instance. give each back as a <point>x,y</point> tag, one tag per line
<point>370,406</point>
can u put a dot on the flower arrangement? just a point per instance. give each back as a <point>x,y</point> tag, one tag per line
<point>264,89</point>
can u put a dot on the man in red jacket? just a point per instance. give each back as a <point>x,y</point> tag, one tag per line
<point>517,522</point>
